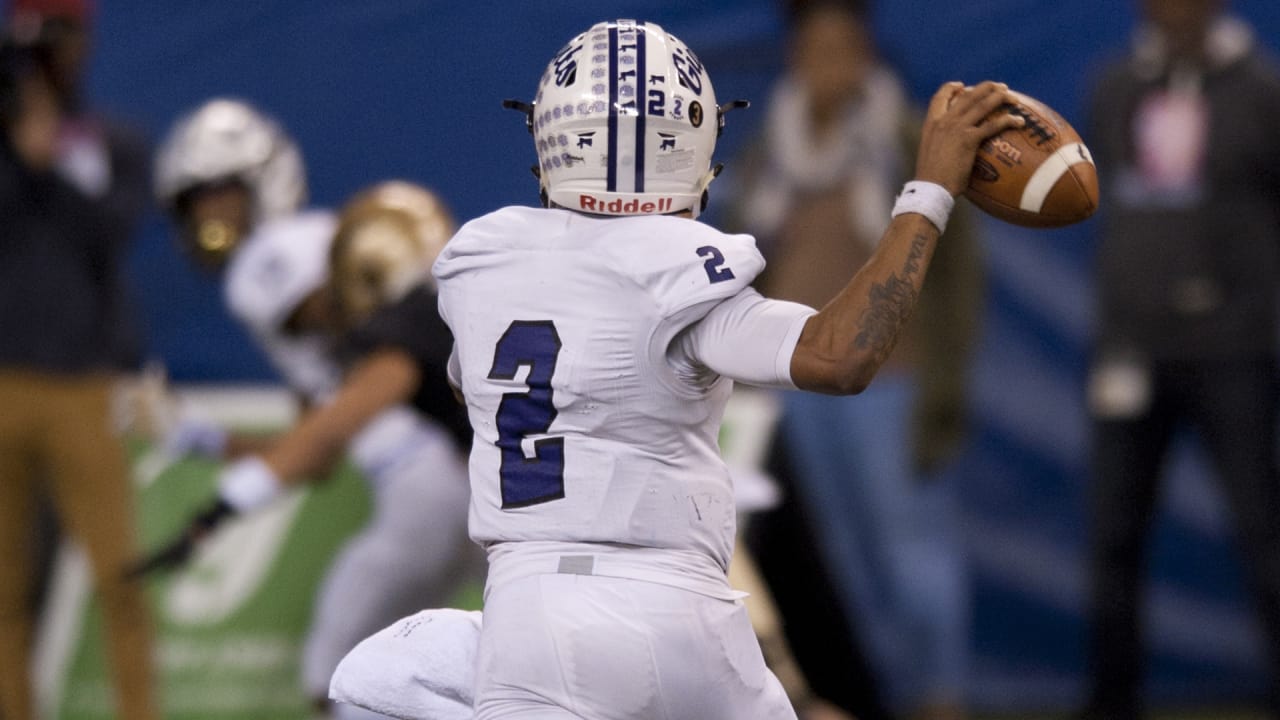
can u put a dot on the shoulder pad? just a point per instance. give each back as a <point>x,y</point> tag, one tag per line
<point>683,262</point>
<point>484,238</point>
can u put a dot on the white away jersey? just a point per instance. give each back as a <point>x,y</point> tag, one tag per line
<point>279,265</point>
<point>584,430</point>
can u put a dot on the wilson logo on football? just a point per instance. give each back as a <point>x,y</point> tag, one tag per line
<point>1004,150</point>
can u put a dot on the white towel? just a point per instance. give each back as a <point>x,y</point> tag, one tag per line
<point>421,667</point>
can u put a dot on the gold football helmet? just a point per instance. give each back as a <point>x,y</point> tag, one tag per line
<point>388,237</point>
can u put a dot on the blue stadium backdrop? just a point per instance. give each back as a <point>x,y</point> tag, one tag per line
<point>412,88</point>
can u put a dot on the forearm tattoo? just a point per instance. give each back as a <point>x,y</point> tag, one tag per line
<point>890,305</point>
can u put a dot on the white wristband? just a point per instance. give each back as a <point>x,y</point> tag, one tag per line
<point>248,484</point>
<point>928,199</point>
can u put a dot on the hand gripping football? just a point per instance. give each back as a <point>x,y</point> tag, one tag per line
<point>1037,175</point>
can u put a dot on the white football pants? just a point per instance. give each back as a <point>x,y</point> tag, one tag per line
<point>564,646</point>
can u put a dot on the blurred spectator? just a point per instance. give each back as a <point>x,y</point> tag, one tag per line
<point>870,471</point>
<point>1184,131</point>
<point>72,188</point>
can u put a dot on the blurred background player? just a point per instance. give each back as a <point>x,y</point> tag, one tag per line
<point>73,186</point>
<point>393,349</point>
<point>1183,129</point>
<point>235,185</point>
<point>870,473</point>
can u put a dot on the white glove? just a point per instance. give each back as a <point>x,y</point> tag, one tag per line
<point>248,484</point>
<point>194,434</point>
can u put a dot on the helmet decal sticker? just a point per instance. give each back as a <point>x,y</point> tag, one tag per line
<point>566,67</point>
<point>688,69</point>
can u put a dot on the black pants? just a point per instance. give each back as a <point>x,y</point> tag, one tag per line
<point>1233,408</point>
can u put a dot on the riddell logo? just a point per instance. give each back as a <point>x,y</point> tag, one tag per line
<point>621,207</point>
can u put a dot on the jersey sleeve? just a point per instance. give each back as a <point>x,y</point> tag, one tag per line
<point>748,338</point>
<point>686,263</point>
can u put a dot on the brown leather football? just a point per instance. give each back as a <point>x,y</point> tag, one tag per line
<point>1038,175</point>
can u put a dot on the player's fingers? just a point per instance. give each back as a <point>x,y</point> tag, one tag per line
<point>979,101</point>
<point>998,123</point>
<point>943,98</point>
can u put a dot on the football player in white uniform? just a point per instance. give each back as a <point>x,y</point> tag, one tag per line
<point>234,183</point>
<point>596,342</point>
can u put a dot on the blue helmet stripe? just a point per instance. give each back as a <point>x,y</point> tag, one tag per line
<point>641,75</point>
<point>611,180</point>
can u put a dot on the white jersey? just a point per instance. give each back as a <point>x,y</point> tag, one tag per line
<point>279,265</point>
<point>585,430</point>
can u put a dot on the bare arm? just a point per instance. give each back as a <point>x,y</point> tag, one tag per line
<point>385,378</point>
<point>842,347</point>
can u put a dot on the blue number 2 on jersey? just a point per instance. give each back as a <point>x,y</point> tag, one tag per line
<point>715,259</point>
<point>538,479</point>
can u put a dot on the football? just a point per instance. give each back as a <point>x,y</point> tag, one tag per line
<point>1038,175</point>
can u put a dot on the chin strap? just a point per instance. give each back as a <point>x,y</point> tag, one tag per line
<point>524,107</point>
<point>721,111</point>
<point>702,186</point>
<point>527,110</point>
<point>714,172</point>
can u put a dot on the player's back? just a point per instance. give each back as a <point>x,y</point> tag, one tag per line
<point>585,431</point>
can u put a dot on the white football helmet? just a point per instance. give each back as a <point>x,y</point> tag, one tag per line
<point>625,121</point>
<point>387,239</point>
<point>229,140</point>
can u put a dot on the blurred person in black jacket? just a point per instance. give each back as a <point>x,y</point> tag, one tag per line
<point>72,188</point>
<point>1184,131</point>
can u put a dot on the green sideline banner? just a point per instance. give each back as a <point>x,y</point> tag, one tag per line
<point>230,625</point>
